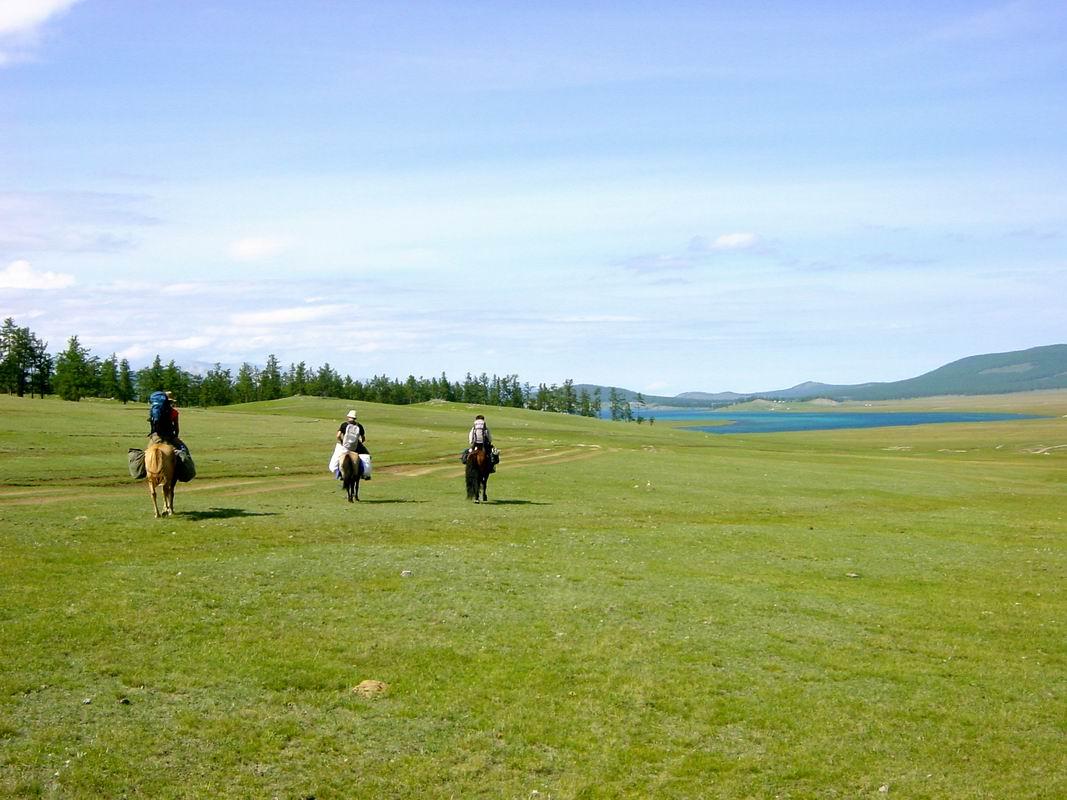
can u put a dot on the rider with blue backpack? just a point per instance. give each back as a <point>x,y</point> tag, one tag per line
<point>163,420</point>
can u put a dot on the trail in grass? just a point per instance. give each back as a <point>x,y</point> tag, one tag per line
<point>234,487</point>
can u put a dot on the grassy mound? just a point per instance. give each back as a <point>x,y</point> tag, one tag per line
<point>638,612</point>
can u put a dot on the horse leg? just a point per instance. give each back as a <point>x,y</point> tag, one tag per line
<point>485,485</point>
<point>155,505</point>
<point>168,498</point>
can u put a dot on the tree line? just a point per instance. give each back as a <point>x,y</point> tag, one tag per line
<point>26,367</point>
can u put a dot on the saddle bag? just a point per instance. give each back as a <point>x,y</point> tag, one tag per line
<point>137,469</point>
<point>186,469</point>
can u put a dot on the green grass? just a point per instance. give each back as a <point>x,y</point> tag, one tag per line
<point>638,612</point>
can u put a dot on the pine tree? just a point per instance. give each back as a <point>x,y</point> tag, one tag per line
<point>245,387</point>
<point>217,387</point>
<point>568,398</point>
<point>16,357</point>
<point>41,366</point>
<point>126,390</point>
<point>296,381</point>
<point>150,379</point>
<point>270,380</point>
<point>177,381</point>
<point>75,372</point>
<point>109,377</point>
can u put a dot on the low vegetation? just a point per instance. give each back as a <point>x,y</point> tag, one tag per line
<point>638,612</point>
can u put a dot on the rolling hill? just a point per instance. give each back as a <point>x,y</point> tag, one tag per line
<point>993,373</point>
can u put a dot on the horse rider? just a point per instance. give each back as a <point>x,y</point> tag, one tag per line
<point>350,436</point>
<point>165,429</point>
<point>480,437</point>
<point>359,436</point>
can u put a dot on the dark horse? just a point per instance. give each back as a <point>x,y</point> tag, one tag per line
<point>479,465</point>
<point>351,466</point>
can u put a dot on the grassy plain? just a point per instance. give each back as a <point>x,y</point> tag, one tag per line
<point>639,612</point>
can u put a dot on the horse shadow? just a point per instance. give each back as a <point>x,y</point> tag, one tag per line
<point>517,503</point>
<point>223,513</point>
<point>388,501</point>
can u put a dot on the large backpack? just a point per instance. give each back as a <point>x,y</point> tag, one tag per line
<point>159,413</point>
<point>350,440</point>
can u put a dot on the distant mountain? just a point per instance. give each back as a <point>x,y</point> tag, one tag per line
<point>659,401</point>
<point>993,373</point>
<point>718,397</point>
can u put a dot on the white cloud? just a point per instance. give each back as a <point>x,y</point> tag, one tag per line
<point>186,288</point>
<point>20,275</point>
<point>281,316</point>
<point>257,248</point>
<point>136,352</point>
<point>594,319</point>
<point>652,263</point>
<point>735,241</point>
<point>188,343</point>
<point>18,16</point>
<point>993,22</point>
<point>20,21</point>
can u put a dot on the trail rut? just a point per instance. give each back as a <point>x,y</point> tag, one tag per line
<point>236,487</point>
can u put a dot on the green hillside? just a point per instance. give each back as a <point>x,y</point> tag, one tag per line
<point>636,613</point>
<point>994,373</point>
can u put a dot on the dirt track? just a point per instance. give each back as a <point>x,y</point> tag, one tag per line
<point>236,487</point>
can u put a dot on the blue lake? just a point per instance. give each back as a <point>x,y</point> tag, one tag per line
<point>783,421</point>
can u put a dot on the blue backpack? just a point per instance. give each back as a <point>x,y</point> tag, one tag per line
<point>158,406</point>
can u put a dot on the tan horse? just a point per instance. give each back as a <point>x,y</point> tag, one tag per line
<point>161,464</point>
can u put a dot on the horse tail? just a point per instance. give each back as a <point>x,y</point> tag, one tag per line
<point>351,467</point>
<point>155,460</point>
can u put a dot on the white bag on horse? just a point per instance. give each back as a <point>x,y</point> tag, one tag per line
<point>335,459</point>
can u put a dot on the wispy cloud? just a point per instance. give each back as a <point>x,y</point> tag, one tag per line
<point>593,319</point>
<point>257,248</point>
<point>20,24</point>
<point>725,241</point>
<point>1001,21</point>
<point>21,275</point>
<point>188,343</point>
<point>69,222</point>
<point>1033,234</point>
<point>700,251</point>
<point>653,264</point>
<point>282,316</point>
<point>890,260</point>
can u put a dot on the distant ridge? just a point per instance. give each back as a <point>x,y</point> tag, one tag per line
<point>993,373</point>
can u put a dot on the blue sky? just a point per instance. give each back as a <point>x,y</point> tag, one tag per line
<point>667,197</point>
